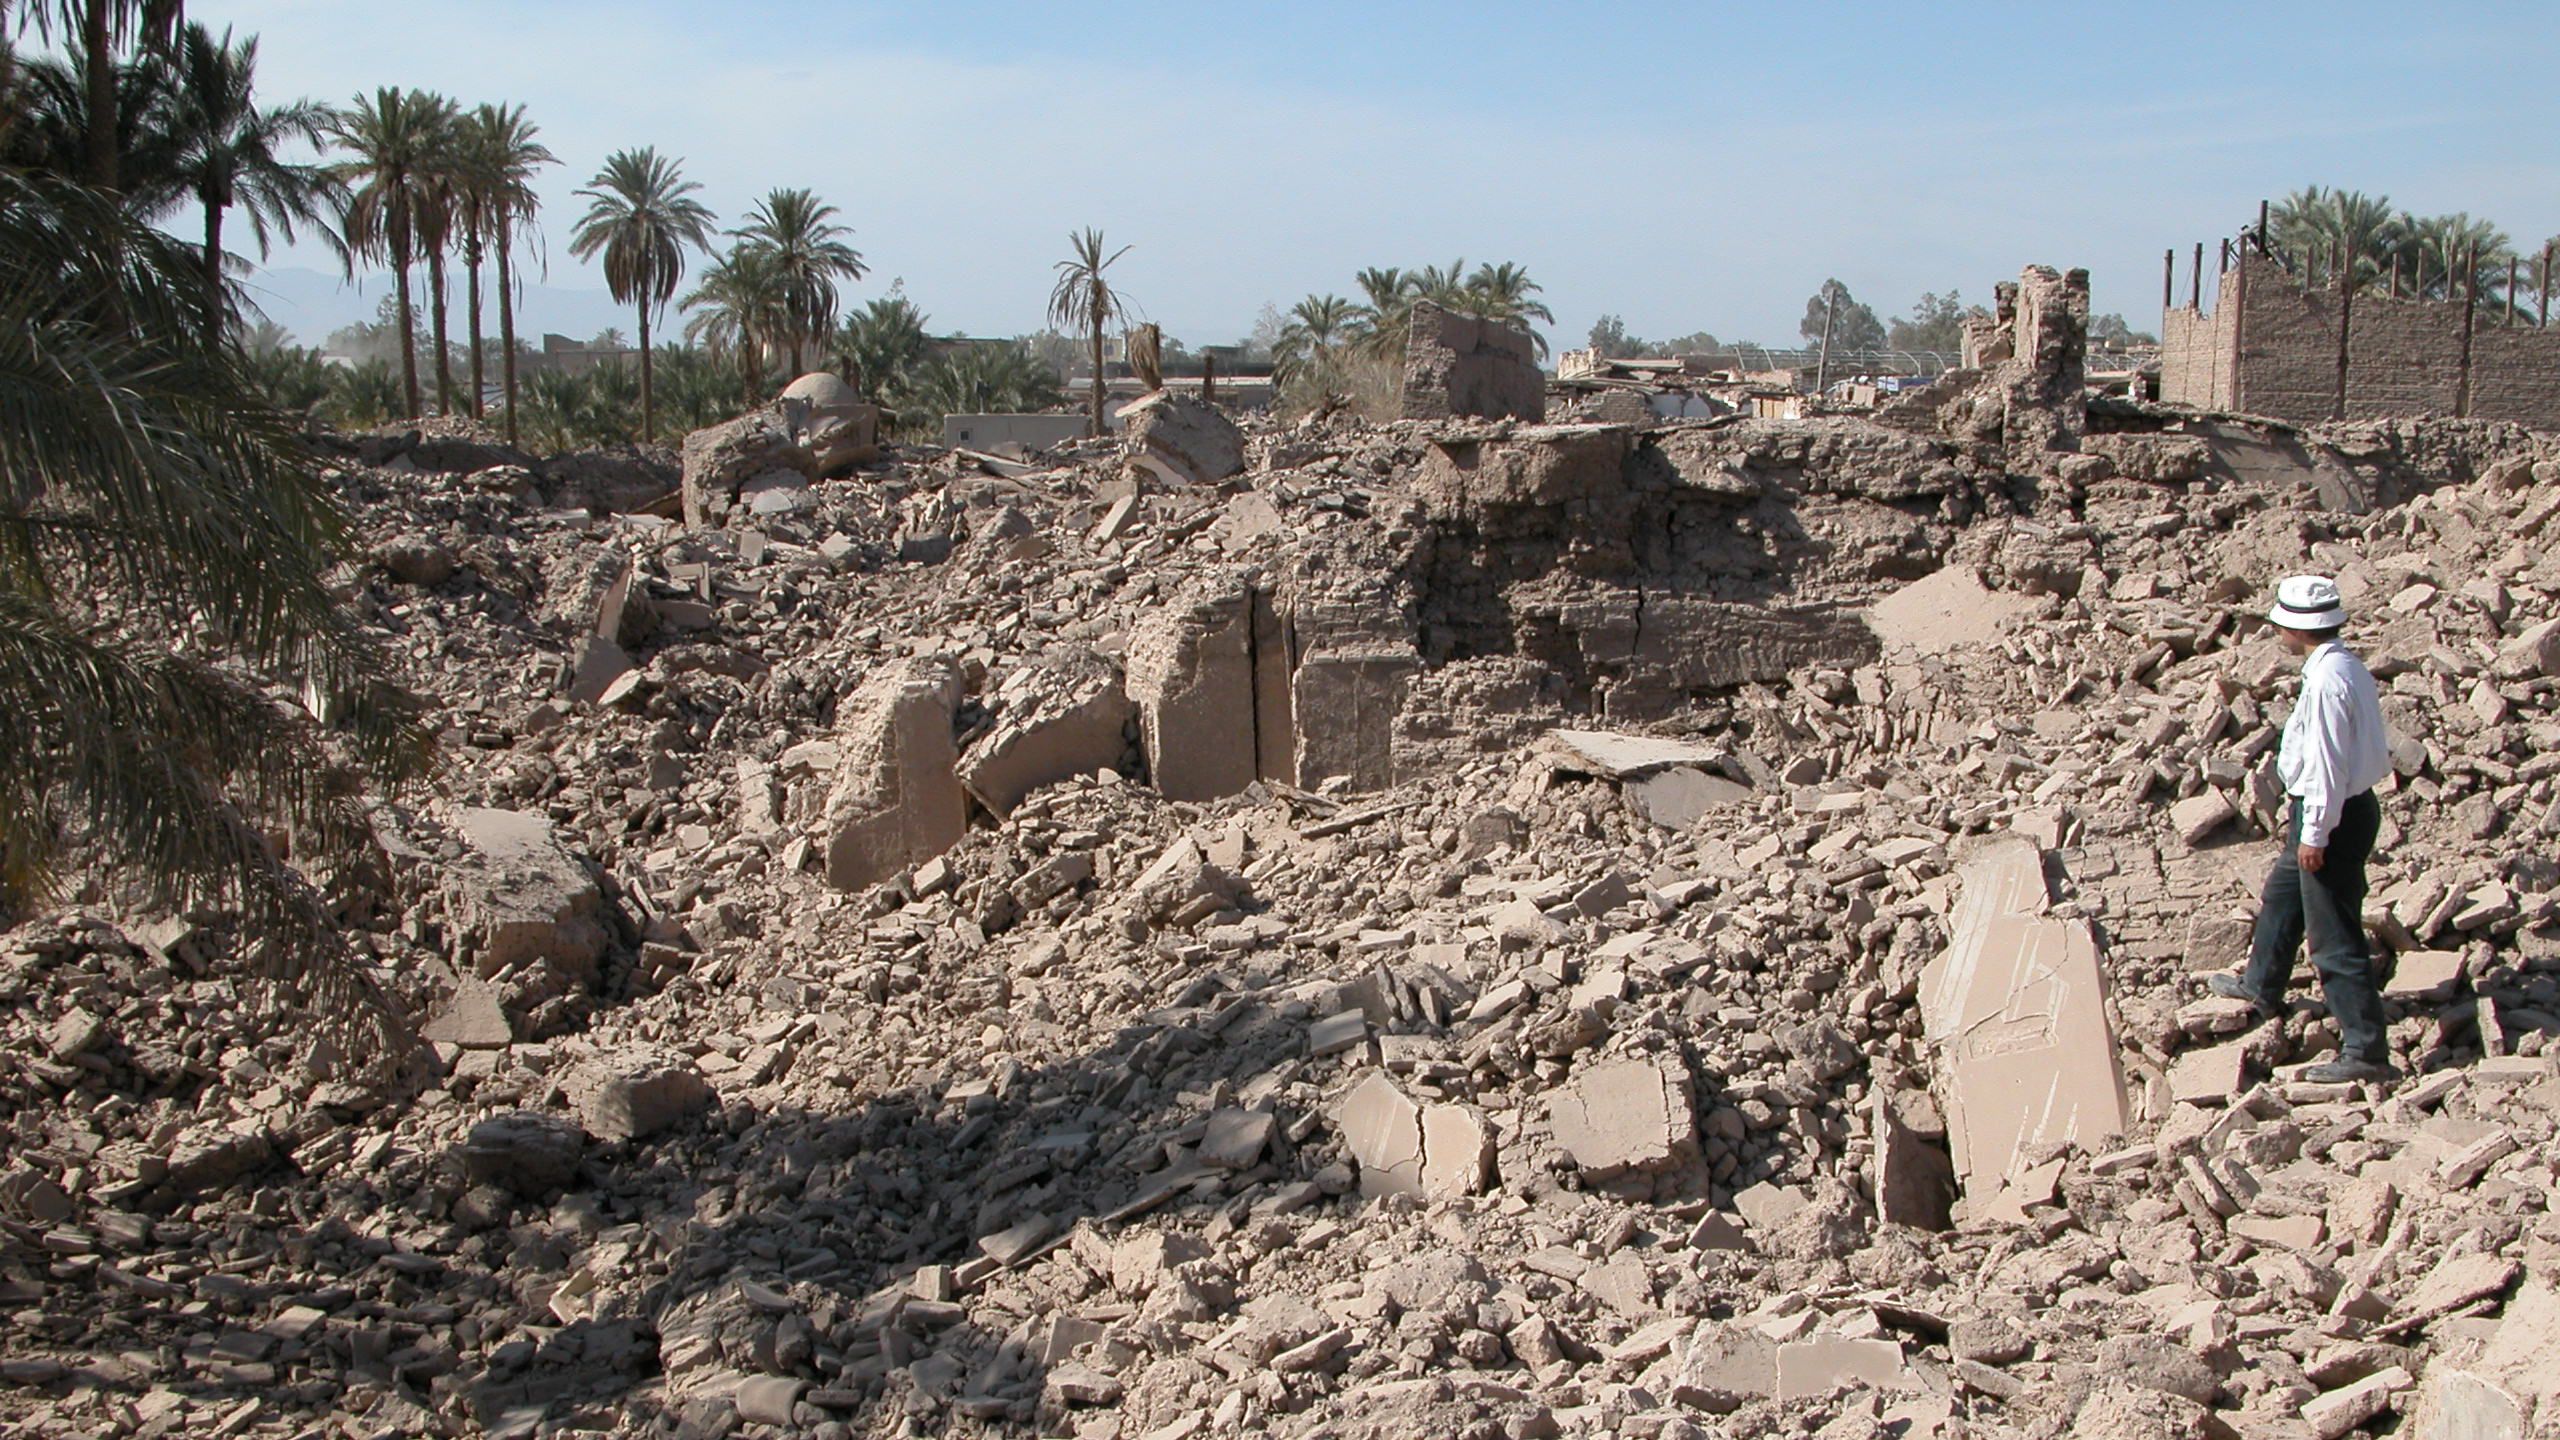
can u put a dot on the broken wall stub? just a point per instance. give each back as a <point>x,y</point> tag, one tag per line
<point>2017,1010</point>
<point>896,801</point>
<point>1345,703</point>
<point>1192,673</point>
<point>1460,365</point>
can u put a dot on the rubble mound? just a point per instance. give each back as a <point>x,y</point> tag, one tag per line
<point>1460,927</point>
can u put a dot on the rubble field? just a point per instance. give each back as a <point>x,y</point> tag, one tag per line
<point>1454,927</point>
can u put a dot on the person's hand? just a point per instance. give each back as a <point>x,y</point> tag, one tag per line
<point>2310,856</point>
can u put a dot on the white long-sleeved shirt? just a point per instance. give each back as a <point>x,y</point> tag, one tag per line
<point>2335,747</point>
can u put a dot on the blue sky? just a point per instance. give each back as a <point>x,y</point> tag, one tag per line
<point>1685,166</point>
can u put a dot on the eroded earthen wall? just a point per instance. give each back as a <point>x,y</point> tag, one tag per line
<point>2271,347</point>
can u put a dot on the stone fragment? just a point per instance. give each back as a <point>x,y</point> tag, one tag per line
<point>2534,654</point>
<point>473,1020</point>
<point>520,903</point>
<point>1180,440</point>
<point>1621,1115</point>
<point>2510,1390</point>
<point>1336,1033</point>
<point>895,802</point>
<point>2017,1008</point>
<point>525,1152</point>
<point>1235,1138</point>
<point>2336,1412</point>
<point>1403,1148</point>
<point>1066,716</point>
<point>2210,1076</point>
<point>2158,1364</point>
<point>768,1399</point>
<point>2199,815</point>
<point>1991,1339</point>
<point>722,460</point>
<point>2419,976</point>
<point>1076,1383</point>
<point>633,1093</point>
<point>1809,1369</point>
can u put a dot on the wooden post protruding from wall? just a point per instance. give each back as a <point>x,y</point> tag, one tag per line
<point>2195,282</point>
<point>2470,278</point>
<point>2169,279</point>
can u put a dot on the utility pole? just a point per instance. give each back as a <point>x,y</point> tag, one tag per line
<point>1822,365</point>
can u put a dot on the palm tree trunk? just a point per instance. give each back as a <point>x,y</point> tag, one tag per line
<point>96,34</point>
<point>471,257</point>
<point>408,320</point>
<point>1097,377</point>
<point>507,323</point>
<point>212,272</point>
<point>444,352</point>
<point>746,369</point>
<point>648,410</point>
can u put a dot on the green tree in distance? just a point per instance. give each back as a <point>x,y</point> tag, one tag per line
<point>806,253</point>
<point>394,136</point>
<point>228,151</point>
<point>1852,326</point>
<point>641,218</point>
<point>1084,299</point>
<point>738,308</point>
<point>501,155</point>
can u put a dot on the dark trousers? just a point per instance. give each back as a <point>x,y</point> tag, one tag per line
<point>2327,907</point>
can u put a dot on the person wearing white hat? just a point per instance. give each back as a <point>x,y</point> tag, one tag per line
<point>2335,751</point>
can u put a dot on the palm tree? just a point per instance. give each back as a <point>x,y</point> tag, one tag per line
<point>228,153</point>
<point>1501,292</point>
<point>2314,228</point>
<point>641,217</point>
<point>1316,328</point>
<point>100,28</point>
<point>396,136</point>
<point>50,135</point>
<point>880,346</point>
<point>172,658</point>
<point>1084,300</point>
<point>501,158</point>
<point>806,255</point>
<point>2459,253</point>
<point>739,308</point>
<point>1385,310</point>
<point>439,217</point>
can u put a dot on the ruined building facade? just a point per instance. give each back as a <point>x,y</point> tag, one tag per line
<point>2270,346</point>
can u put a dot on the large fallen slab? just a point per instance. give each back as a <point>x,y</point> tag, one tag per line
<point>896,801</point>
<point>1939,612</point>
<point>2017,1010</point>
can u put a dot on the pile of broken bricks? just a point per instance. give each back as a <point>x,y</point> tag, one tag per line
<point>1825,1061</point>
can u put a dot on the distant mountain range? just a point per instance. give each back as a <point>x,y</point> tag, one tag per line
<point>311,303</point>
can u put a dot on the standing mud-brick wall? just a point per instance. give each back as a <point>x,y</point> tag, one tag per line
<point>2273,346</point>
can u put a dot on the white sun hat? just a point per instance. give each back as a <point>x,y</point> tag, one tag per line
<point>2308,602</point>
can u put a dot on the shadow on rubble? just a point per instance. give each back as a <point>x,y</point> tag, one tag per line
<point>813,1277</point>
